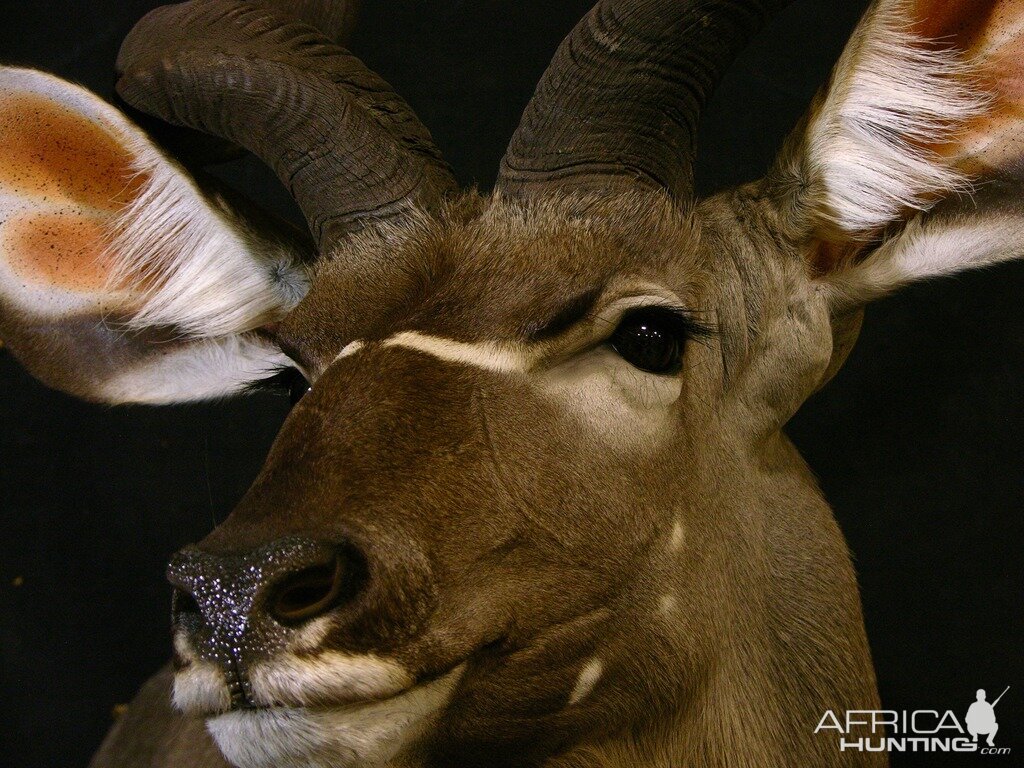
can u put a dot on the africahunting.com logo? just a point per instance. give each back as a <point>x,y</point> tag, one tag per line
<point>919,730</point>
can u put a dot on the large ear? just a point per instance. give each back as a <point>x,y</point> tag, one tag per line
<point>120,280</point>
<point>910,163</point>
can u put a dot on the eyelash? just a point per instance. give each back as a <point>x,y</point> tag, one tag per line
<point>282,381</point>
<point>685,323</point>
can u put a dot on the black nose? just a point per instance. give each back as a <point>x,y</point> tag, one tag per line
<point>240,605</point>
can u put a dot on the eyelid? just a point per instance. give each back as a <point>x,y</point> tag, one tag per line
<point>595,329</point>
<point>611,315</point>
<point>690,326</point>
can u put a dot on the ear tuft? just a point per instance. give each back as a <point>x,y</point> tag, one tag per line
<point>882,143</point>
<point>230,281</point>
<point>121,279</point>
<point>910,163</point>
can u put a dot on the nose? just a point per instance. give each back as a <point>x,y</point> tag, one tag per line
<point>308,592</point>
<point>236,607</point>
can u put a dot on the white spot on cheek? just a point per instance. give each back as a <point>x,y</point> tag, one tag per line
<point>675,539</point>
<point>588,678</point>
<point>667,604</point>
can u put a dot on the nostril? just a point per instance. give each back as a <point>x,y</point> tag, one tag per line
<point>219,597</point>
<point>183,605</point>
<point>310,592</point>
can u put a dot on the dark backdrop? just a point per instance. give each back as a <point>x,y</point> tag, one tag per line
<point>917,442</point>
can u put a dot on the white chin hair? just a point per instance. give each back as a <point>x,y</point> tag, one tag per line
<point>353,736</point>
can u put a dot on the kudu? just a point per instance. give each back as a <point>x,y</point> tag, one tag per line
<point>537,507</point>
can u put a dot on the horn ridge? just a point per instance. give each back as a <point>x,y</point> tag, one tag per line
<point>620,102</point>
<point>346,146</point>
<point>334,18</point>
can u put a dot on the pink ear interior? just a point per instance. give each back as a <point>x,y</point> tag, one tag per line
<point>50,151</point>
<point>960,23</point>
<point>991,33</point>
<point>69,177</point>
<point>65,248</point>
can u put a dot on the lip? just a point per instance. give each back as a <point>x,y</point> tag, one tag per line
<point>370,732</point>
<point>438,688</point>
<point>330,681</point>
<point>340,707</point>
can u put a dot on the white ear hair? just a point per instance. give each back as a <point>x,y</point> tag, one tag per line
<point>201,274</point>
<point>911,165</point>
<point>873,145</point>
<point>196,370</point>
<point>922,252</point>
<point>120,279</point>
<point>182,259</point>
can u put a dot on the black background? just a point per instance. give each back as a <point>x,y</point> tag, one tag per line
<point>917,443</point>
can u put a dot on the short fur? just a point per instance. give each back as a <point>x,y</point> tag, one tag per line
<point>533,552</point>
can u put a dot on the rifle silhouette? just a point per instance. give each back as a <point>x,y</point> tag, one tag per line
<point>999,697</point>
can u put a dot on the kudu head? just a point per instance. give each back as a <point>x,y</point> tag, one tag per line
<point>537,500</point>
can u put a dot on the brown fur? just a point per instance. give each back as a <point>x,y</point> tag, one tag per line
<point>530,521</point>
<point>538,547</point>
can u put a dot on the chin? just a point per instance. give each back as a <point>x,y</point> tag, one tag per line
<point>366,735</point>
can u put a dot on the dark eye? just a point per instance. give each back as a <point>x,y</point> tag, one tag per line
<point>652,339</point>
<point>288,381</point>
<point>297,385</point>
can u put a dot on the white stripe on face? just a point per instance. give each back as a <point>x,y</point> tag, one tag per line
<point>351,348</point>
<point>501,357</point>
<point>607,390</point>
<point>489,355</point>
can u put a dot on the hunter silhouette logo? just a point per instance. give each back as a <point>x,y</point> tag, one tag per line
<point>981,717</point>
<point>919,730</point>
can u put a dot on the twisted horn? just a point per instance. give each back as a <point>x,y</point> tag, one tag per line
<point>334,18</point>
<point>346,146</point>
<point>620,101</point>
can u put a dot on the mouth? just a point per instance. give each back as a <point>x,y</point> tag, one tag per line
<point>330,681</point>
<point>348,706</point>
<point>313,703</point>
<point>371,731</point>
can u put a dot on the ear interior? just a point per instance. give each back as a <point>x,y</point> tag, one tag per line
<point>989,35</point>
<point>63,181</point>
<point>57,146</point>
<point>910,163</point>
<point>98,230</point>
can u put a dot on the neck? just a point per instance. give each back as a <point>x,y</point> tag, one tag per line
<point>760,707</point>
<point>791,647</point>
